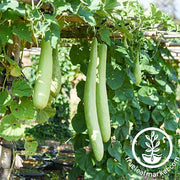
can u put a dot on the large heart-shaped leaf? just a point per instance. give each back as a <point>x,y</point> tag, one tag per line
<point>10,128</point>
<point>24,109</point>
<point>148,95</point>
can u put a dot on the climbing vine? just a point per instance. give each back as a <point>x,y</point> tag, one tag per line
<point>120,25</point>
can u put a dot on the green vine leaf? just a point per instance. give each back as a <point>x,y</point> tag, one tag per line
<point>119,118</point>
<point>95,173</point>
<point>80,90</point>
<point>61,6</point>
<point>30,147</point>
<point>22,31</point>
<point>44,114</point>
<point>75,5</point>
<point>74,173</point>
<point>51,20</point>
<point>94,5</point>
<point>110,5</point>
<point>145,114</point>
<point>125,92</point>
<point>161,79</point>
<point>105,35</point>
<point>115,150</point>
<point>122,132</point>
<point>53,34</point>
<point>78,123</point>
<point>83,160</point>
<point>127,147</point>
<point>148,95</point>
<point>3,110</point>
<point>87,16</point>
<point>115,77</point>
<point>79,54</point>
<point>80,141</point>
<point>123,52</point>
<point>41,28</point>
<point>24,109</point>
<point>15,71</point>
<point>5,100</point>
<point>11,4</point>
<point>21,88</point>
<point>114,167</point>
<point>6,33</point>
<point>170,122</point>
<point>10,128</point>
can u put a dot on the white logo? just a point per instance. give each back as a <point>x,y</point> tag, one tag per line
<point>151,156</point>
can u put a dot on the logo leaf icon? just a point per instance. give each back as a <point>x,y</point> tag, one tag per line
<point>157,144</point>
<point>147,144</point>
<point>156,136</point>
<point>152,133</point>
<point>156,150</point>
<point>148,150</point>
<point>147,137</point>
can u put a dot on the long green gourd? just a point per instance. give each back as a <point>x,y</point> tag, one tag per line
<point>101,96</point>
<point>137,69</point>
<point>90,104</point>
<point>56,74</point>
<point>43,77</point>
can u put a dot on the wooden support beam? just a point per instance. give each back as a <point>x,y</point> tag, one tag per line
<point>170,44</point>
<point>164,34</point>
<point>84,31</point>
<point>29,1</point>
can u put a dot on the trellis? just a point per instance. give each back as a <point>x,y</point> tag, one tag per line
<point>80,30</point>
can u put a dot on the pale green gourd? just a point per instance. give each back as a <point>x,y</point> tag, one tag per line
<point>90,104</point>
<point>56,74</point>
<point>101,96</point>
<point>137,69</point>
<point>43,77</point>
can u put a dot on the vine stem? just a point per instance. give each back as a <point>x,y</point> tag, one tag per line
<point>28,67</point>
<point>68,140</point>
<point>14,158</point>
<point>3,88</point>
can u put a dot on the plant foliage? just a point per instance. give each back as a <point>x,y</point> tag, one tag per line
<point>132,108</point>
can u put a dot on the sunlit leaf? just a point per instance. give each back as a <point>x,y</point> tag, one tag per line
<point>10,128</point>
<point>21,88</point>
<point>30,147</point>
<point>24,109</point>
